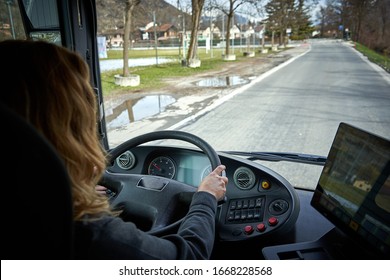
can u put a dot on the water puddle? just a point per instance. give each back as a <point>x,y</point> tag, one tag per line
<point>222,81</point>
<point>132,110</point>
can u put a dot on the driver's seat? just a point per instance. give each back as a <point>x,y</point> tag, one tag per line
<point>37,206</point>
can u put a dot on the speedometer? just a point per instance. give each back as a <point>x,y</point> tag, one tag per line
<point>162,166</point>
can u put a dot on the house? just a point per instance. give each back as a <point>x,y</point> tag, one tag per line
<point>114,38</point>
<point>247,31</point>
<point>205,32</point>
<point>235,32</point>
<point>163,32</point>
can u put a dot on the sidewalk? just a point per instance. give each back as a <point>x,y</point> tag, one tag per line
<point>112,64</point>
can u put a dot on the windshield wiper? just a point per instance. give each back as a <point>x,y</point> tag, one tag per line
<point>275,156</point>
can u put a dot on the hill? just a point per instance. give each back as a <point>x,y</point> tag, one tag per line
<point>111,14</point>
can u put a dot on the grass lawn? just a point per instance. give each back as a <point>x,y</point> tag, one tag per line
<point>152,76</point>
<point>377,58</point>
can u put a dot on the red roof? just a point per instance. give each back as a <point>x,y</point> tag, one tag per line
<point>161,28</point>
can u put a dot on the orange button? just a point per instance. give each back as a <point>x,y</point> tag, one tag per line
<point>265,184</point>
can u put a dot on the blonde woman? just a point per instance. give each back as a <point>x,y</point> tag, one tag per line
<point>51,90</point>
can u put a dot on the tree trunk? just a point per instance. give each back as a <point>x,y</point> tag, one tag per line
<point>229,21</point>
<point>130,5</point>
<point>197,6</point>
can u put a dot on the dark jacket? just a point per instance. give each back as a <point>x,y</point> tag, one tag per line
<point>112,238</point>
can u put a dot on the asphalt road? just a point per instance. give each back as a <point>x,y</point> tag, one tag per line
<point>298,107</point>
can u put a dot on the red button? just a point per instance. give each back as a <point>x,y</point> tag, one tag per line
<point>261,227</point>
<point>248,229</point>
<point>273,221</point>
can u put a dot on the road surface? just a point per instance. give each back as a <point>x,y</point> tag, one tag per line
<point>295,107</point>
<point>298,107</point>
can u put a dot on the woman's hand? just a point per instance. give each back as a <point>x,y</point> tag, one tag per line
<point>215,183</point>
<point>101,189</point>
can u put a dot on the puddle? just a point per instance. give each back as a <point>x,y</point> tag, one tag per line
<point>133,110</point>
<point>222,81</point>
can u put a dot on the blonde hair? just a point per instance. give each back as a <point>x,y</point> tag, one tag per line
<point>49,86</point>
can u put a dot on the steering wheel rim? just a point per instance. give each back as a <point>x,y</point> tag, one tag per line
<point>148,187</point>
<point>167,134</point>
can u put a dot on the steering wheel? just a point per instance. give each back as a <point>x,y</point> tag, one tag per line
<point>153,203</point>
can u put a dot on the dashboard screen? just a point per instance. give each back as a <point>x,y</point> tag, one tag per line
<point>192,169</point>
<point>353,191</point>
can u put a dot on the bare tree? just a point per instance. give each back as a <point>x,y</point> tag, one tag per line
<point>358,10</point>
<point>228,8</point>
<point>383,22</point>
<point>328,16</point>
<point>373,27</point>
<point>367,21</point>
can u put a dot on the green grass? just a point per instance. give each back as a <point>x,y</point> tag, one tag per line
<point>377,58</point>
<point>152,77</point>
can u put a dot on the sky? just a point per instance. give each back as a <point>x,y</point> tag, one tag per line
<point>314,11</point>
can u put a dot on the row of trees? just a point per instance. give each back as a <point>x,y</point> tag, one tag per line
<point>289,15</point>
<point>280,17</point>
<point>365,21</point>
<point>281,14</point>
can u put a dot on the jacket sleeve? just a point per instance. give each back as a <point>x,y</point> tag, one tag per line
<point>112,238</point>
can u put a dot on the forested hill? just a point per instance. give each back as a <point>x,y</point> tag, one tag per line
<point>111,13</point>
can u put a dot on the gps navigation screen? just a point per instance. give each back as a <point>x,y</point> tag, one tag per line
<point>354,188</point>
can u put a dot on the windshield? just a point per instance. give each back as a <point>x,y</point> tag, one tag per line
<point>262,85</point>
<point>276,92</point>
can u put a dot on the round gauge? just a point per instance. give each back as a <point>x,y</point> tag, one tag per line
<point>206,172</point>
<point>162,166</point>
<point>126,160</point>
